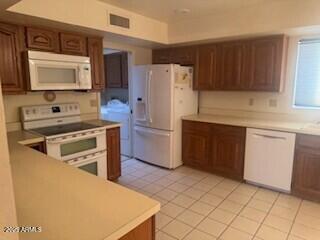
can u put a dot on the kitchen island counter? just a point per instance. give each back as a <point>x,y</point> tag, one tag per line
<point>68,203</point>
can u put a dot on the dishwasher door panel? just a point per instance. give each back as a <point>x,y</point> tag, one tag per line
<point>269,158</point>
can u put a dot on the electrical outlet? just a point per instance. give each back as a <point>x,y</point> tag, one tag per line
<point>273,102</point>
<point>93,103</point>
<point>251,101</point>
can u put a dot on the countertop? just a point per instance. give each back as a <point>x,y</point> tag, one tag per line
<point>69,203</point>
<point>285,126</point>
<point>104,123</point>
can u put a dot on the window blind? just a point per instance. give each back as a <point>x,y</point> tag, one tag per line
<point>307,86</point>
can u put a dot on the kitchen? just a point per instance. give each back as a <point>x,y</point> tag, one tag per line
<point>247,133</point>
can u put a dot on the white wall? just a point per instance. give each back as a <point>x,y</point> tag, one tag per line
<point>93,14</point>
<point>266,17</point>
<point>140,55</point>
<point>7,206</point>
<point>237,103</point>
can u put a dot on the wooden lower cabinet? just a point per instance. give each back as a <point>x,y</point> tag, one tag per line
<point>213,147</point>
<point>113,154</point>
<point>227,150</point>
<point>306,168</point>
<point>196,149</point>
<point>145,231</point>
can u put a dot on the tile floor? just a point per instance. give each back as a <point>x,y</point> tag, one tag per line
<point>200,206</point>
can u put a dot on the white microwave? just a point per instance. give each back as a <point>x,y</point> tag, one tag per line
<point>50,71</point>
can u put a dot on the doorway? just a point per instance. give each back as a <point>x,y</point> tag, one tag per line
<point>115,99</point>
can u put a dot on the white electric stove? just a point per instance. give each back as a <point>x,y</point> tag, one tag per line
<point>68,138</point>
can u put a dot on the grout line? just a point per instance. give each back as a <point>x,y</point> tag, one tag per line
<point>294,220</point>
<point>199,179</point>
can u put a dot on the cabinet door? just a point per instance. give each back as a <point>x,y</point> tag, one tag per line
<point>95,51</point>
<point>41,39</point>
<point>206,68</point>
<point>227,150</point>
<point>73,44</point>
<point>113,153</point>
<point>124,70</point>
<point>145,231</point>
<point>195,144</point>
<point>113,70</point>
<point>231,66</point>
<point>161,56</point>
<point>306,168</point>
<point>11,37</point>
<point>184,56</point>
<point>266,63</point>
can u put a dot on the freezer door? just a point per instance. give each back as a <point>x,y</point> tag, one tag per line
<point>154,146</point>
<point>153,96</point>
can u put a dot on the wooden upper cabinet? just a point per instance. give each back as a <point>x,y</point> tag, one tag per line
<point>42,39</point>
<point>161,56</point>
<point>185,56</point>
<point>266,63</point>
<point>11,46</point>
<point>206,67</point>
<point>241,65</point>
<point>95,52</point>
<point>113,70</point>
<point>116,70</point>
<point>228,148</point>
<point>306,167</point>
<point>73,44</point>
<point>113,156</point>
<point>230,66</point>
<point>124,70</point>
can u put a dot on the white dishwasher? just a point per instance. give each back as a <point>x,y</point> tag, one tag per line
<point>269,158</point>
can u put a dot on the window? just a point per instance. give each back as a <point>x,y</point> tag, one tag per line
<point>307,89</point>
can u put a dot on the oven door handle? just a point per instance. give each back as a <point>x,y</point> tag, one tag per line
<point>86,160</point>
<point>74,137</point>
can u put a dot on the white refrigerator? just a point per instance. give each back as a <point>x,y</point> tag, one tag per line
<point>162,94</point>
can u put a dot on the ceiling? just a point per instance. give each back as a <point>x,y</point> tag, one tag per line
<point>165,10</point>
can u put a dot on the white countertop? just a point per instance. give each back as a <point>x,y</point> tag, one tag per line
<point>69,203</point>
<point>285,126</point>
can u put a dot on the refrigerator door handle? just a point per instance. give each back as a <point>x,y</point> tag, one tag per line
<point>147,131</point>
<point>149,96</point>
<point>146,90</point>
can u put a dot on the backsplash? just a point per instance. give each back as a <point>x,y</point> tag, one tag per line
<point>12,103</point>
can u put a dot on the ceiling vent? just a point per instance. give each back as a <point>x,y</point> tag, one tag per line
<point>119,21</point>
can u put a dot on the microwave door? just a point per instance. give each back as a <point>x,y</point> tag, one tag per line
<point>52,75</point>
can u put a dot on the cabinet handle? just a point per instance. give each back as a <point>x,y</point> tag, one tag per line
<point>268,136</point>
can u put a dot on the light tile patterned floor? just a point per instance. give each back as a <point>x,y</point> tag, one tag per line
<point>200,206</point>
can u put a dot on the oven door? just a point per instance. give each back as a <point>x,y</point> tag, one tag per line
<point>95,163</point>
<point>76,145</point>
<point>55,75</point>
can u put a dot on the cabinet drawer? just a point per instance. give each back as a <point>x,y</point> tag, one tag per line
<point>308,141</point>
<point>42,39</point>
<point>233,130</point>
<point>73,44</point>
<point>193,126</point>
